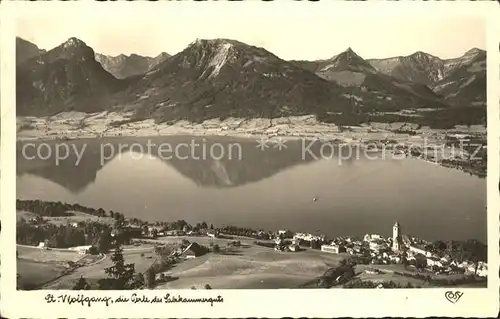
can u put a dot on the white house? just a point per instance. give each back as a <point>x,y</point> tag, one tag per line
<point>82,250</point>
<point>377,245</point>
<point>482,269</point>
<point>395,258</point>
<point>212,235</point>
<point>464,265</point>
<point>285,233</point>
<point>445,260</point>
<point>334,249</point>
<point>371,237</point>
<point>419,250</point>
<point>306,237</point>
<point>431,261</point>
<point>43,244</point>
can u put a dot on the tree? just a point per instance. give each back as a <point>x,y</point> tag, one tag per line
<point>207,286</point>
<point>404,261</point>
<point>119,221</point>
<point>440,246</point>
<point>138,281</point>
<point>420,261</point>
<point>325,282</point>
<point>120,274</point>
<point>104,241</point>
<point>197,227</point>
<point>81,284</point>
<point>93,250</point>
<point>204,225</point>
<point>216,249</point>
<point>154,233</point>
<point>212,226</point>
<point>150,278</point>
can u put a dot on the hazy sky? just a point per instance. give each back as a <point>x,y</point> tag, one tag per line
<point>290,31</point>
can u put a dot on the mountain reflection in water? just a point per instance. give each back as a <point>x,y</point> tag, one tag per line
<point>268,188</point>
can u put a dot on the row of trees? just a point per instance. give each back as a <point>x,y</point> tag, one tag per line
<point>242,231</point>
<point>471,249</point>
<point>59,209</point>
<point>55,209</point>
<point>444,281</point>
<point>63,236</point>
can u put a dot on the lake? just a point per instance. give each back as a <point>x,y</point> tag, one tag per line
<point>245,186</point>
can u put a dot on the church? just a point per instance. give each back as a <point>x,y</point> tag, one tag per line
<point>397,238</point>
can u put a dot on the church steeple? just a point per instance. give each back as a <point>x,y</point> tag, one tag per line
<point>396,237</point>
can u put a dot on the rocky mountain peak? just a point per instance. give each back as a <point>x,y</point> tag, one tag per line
<point>347,60</point>
<point>474,52</point>
<point>72,48</point>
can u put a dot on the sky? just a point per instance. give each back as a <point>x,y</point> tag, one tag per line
<point>290,31</point>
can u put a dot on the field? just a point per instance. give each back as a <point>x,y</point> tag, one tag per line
<point>31,274</point>
<point>248,267</point>
<point>36,266</point>
<point>60,256</point>
<point>95,271</point>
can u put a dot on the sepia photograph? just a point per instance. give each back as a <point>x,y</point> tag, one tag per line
<point>231,150</point>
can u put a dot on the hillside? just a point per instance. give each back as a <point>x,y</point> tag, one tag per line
<point>63,79</point>
<point>373,91</point>
<point>461,81</point>
<point>26,50</point>
<point>226,78</point>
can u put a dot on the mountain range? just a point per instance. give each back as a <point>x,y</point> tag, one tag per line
<point>460,81</point>
<point>223,78</point>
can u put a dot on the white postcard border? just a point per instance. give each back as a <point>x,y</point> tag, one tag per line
<point>256,303</point>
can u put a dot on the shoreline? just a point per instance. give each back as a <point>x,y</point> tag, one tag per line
<point>70,126</point>
<point>72,210</point>
<point>76,125</point>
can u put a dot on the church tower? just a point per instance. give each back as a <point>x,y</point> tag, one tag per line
<point>396,237</point>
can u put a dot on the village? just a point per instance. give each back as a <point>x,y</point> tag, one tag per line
<point>180,255</point>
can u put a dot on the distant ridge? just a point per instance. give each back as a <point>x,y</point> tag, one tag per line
<point>221,78</point>
<point>63,79</point>
<point>123,66</point>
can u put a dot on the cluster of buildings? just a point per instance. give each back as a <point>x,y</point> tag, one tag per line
<point>376,249</point>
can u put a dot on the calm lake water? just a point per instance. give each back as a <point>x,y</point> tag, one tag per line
<point>269,189</point>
